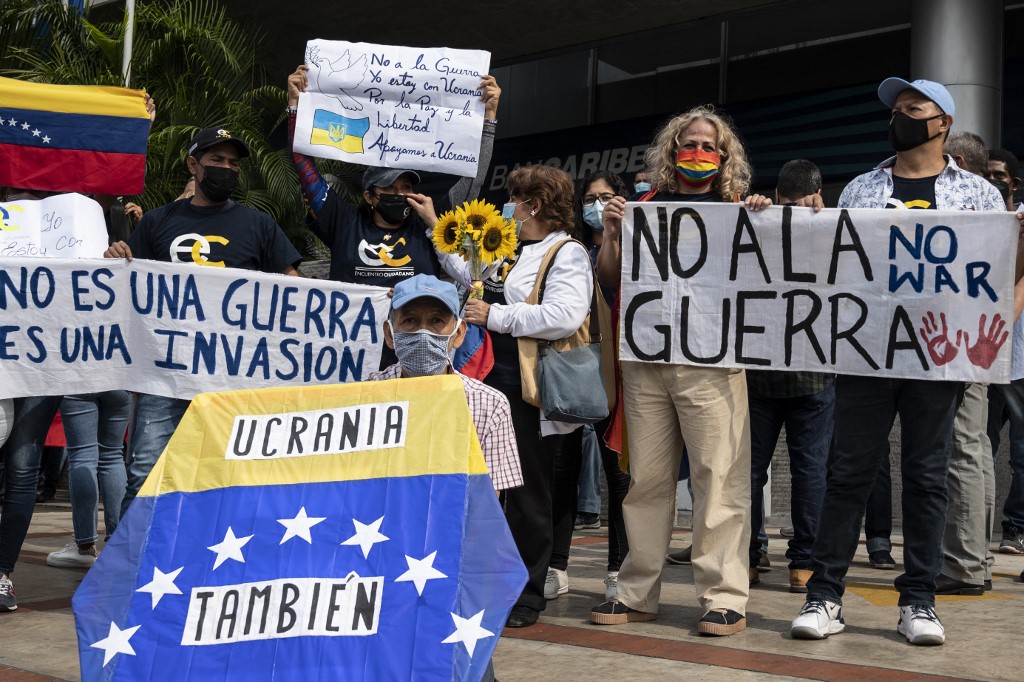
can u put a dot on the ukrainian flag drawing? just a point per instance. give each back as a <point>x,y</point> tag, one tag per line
<point>74,138</point>
<point>340,132</point>
<point>345,532</point>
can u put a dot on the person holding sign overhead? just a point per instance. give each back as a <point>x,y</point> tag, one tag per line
<point>697,156</point>
<point>386,238</point>
<point>918,176</point>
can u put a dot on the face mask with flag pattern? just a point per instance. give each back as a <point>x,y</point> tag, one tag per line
<point>696,167</point>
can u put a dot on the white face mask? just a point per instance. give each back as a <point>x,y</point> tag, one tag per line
<point>423,353</point>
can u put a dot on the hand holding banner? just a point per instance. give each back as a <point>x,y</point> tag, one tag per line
<point>400,107</point>
<point>874,292</point>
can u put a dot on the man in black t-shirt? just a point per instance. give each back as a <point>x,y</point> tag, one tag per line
<point>208,230</point>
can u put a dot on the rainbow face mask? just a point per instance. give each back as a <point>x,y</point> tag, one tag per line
<point>696,167</point>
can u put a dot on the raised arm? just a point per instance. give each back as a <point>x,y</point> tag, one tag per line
<point>468,189</point>
<point>314,187</point>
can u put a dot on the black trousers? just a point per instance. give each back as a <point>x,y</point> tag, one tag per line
<point>528,509</point>
<point>567,473</point>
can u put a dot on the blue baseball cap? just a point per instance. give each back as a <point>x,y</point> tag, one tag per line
<point>890,89</point>
<point>426,286</point>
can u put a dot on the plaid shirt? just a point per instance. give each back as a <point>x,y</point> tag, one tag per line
<point>764,383</point>
<point>493,420</point>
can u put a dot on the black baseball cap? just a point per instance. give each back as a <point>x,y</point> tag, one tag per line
<point>378,176</point>
<point>210,137</point>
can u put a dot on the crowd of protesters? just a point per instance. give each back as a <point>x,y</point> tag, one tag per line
<point>719,424</point>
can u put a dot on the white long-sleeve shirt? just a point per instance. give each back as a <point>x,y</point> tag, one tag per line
<point>567,293</point>
<point>563,307</point>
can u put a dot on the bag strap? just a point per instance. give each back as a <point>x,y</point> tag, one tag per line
<point>542,278</point>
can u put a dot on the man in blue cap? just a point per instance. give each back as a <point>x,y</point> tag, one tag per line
<point>424,330</point>
<point>917,177</point>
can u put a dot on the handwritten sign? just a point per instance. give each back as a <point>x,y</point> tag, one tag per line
<point>400,107</point>
<point>354,561</point>
<point>83,326</point>
<point>897,293</point>
<point>62,226</point>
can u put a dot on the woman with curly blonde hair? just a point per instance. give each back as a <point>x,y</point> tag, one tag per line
<point>696,156</point>
<point>732,179</point>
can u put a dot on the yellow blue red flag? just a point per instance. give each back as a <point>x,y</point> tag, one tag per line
<point>345,532</point>
<point>339,131</point>
<point>72,138</point>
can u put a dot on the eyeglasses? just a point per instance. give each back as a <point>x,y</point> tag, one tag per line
<point>591,198</point>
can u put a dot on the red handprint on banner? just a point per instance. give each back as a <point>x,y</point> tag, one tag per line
<point>939,346</point>
<point>984,351</point>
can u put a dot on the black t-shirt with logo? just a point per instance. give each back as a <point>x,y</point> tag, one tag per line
<point>916,193</point>
<point>363,253</point>
<point>227,235</point>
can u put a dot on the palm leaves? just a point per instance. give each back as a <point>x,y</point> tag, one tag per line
<point>200,68</point>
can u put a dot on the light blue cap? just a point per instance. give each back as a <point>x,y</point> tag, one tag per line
<point>426,286</point>
<point>890,89</point>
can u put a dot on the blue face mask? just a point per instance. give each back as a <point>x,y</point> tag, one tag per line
<point>642,187</point>
<point>508,213</point>
<point>592,216</point>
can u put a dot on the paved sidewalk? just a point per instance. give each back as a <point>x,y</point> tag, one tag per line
<point>983,633</point>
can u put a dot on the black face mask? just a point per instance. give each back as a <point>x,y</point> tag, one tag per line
<point>1003,188</point>
<point>393,208</point>
<point>906,132</point>
<point>218,183</point>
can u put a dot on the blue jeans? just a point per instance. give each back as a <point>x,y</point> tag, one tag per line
<point>866,408</point>
<point>808,421</point>
<point>94,425</point>
<point>154,422</point>
<point>589,501</point>
<point>1006,402</point>
<point>24,450</point>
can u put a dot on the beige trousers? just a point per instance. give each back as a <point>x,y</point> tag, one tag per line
<point>665,406</point>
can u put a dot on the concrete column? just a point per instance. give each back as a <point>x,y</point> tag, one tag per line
<point>959,43</point>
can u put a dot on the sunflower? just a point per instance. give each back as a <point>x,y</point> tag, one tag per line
<point>477,214</point>
<point>447,236</point>
<point>497,240</point>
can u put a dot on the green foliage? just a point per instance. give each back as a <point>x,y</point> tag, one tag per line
<point>201,69</point>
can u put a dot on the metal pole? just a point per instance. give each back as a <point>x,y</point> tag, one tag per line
<point>959,43</point>
<point>129,33</point>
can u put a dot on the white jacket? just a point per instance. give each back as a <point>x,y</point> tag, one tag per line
<point>567,294</point>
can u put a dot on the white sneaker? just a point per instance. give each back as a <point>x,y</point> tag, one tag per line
<point>72,557</point>
<point>611,586</point>
<point>817,620</point>
<point>919,624</point>
<point>557,583</point>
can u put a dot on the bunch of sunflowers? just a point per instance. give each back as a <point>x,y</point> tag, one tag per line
<point>477,232</point>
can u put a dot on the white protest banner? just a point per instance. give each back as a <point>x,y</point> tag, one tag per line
<point>61,226</point>
<point>400,107</point>
<point>874,292</point>
<point>89,325</point>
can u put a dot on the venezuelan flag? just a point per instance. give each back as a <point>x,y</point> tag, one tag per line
<point>345,532</point>
<point>74,138</point>
<point>341,132</point>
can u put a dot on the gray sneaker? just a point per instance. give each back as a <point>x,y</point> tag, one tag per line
<point>1013,541</point>
<point>8,602</point>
